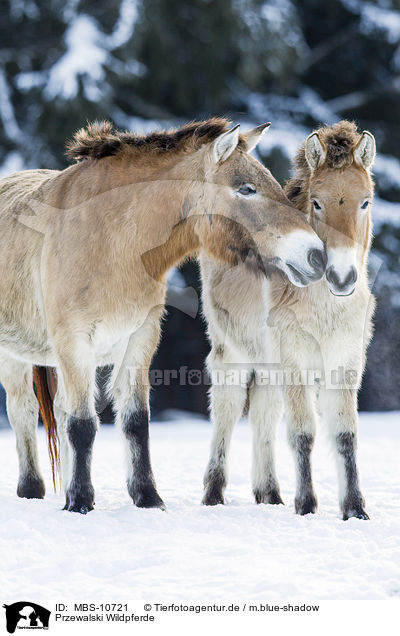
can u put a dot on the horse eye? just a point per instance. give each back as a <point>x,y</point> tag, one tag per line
<point>316,205</point>
<point>365,205</point>
<point>247,188</point>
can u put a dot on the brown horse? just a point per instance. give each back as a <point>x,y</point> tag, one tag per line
<point>83,276</point>
<point>316,338</point>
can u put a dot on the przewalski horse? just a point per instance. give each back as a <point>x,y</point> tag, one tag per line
<point>323,330</point>
<point>83,265</point>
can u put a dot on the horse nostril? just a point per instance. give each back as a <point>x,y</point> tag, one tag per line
<point>351,277</point>
<point>317,259</point>
<point>332,277</point>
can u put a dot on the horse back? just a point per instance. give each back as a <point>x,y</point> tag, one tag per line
<point>17,188</point>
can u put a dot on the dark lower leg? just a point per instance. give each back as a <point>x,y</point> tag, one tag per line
<point>31,487</point>
<point>268,494</point>
<point>352,501</point>
<point>80,493</point>
<point>23,418</point>
<point>305,500</point>
<point>30,482</point>
<point>215,478</point>
<point>141,483</point>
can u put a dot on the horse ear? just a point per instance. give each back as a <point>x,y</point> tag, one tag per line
<point>225,144</point>
<point>315,151</point>
<point>365,151</point>
<point>254,135</point>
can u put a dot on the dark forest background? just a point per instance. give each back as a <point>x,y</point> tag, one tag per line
<point>148,64</point>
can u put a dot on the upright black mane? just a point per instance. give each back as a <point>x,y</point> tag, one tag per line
<point>100,139</point>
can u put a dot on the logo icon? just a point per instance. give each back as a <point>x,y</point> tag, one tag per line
<point>26,615</point>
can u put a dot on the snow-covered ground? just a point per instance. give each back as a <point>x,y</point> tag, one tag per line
<point>236,551</point>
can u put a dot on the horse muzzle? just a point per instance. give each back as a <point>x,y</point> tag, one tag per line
<point>311,272</point>
<point>341,285</point>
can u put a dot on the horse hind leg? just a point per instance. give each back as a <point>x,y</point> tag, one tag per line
<point>129,386</point>
<point>22,410</point>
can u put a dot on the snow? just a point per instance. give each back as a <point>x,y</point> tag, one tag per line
<point>85,55</point>
<point>385,212</point>
<point>7,115</point>
<point>281,135</point>
<point>13,162</point>
<point>236,551</point>
<point>124,27</point>
<point>180,294</point>
<point>282,21</point>
<point>176,278</point>
<point>18,8</point>
<point>378,18</point>
<point>87,52</point>
<point>378,15</point>
<point>27,80</point>
<point>387,168</point>
<point>276,12</point>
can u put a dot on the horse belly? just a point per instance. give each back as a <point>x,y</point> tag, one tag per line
<point>110,340</point>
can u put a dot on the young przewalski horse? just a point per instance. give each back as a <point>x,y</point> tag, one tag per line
<point>83,265</point>
<point>323,329</point>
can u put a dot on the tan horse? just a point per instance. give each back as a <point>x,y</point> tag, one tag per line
<point>83,265</point>
<point>315,339</point>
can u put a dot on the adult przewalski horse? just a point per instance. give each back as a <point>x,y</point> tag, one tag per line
<point>322,330</point>
<point>83,266</point>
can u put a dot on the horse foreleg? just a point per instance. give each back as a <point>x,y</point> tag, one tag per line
<point>340,412</point>
<point>22,410</point>
<point>227,404</point>
<point>77,377</point>
<point>130,387</point>
<point>301,426</point>
<point>265,414</point>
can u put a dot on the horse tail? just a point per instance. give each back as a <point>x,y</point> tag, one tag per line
<point>45,382</point>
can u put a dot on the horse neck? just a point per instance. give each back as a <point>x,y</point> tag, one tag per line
<point>181,243</point>
<point>143,208</point>
<point>170,219</point>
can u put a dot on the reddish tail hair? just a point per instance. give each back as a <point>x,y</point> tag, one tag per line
<point>45,381</point>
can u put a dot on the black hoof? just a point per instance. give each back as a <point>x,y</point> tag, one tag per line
<point>353,506</point>
<point>78,502</point>
<point>31,487</point>
<point>358,514</point>
<point>357,511</point>
<point>306,505</point>
<point>214,486</point>
<point>78,505</point>
<point>268,497</point>
<point>213,498</point>
<point>147,498</point>
<point>83,509</point>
